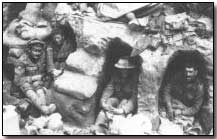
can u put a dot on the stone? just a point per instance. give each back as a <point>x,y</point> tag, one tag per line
<point>10,120</point>
<point>76,85</point>
<point>85,63</point>
<point>115,10</point>
<point>139,124</point>
<point>80,113</point>
<point>169,128</point>
<point>208,22</point>
<point>177,22</point>
<point>55,122</point>
<point>91,33</point>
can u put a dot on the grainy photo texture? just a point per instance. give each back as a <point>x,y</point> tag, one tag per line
<point>107,68</point>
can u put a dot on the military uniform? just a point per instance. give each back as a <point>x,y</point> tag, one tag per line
<point>121,94</point>
<point>186,99</point>
<point>190,94</point>
<point>30,72</point>
<point>58,54</point>
<point>124,92</point>
<point>26,71</point>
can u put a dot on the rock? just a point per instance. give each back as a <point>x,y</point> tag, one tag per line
<point>169,128</point>
<point>77,112</point>
<point>204,46</point>
<point>138,124</point>
<point>10,121</point>
<point>40,122</point>
<point>208,22</point>
<point>85,63</point>
<point>45,132</point>
<point>55,122</point>
<point>150,78</point>
<point>115,10</point>
<point>76,85</point>
<point>87,35</point>
<point>177,22</point>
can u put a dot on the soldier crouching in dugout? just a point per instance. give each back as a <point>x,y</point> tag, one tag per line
<point>120,95</point>
<point>60,47</point>
<point>184,96</point>
<point>30,71</point>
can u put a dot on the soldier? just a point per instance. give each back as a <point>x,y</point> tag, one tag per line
<point>184,96</point>
<point>30,71</point>
<point>120,95</point>
<point>59,48</point>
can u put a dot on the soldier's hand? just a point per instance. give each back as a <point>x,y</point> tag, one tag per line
<point>105,106</point>
<point>57,73</point>
<point>170,114</point>
<point>117,111</point>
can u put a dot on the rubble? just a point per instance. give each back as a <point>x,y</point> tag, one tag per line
<point>169,128</point>
<point>10,121</point>
<point>115,10</point>
<point>138,124</point>
<point>45,125</point>
<point>152,35</point>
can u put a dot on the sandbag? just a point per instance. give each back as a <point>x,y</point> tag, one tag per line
<point>76,85</point>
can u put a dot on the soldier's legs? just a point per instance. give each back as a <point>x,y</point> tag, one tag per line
<point>31,94</point>
<point>42,101</point>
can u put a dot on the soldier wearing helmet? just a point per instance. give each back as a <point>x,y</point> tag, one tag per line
<point>30,70</point>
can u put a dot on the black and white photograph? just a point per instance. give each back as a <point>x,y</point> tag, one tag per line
<point>108,68</point>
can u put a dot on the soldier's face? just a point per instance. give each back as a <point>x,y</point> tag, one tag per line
<point>190,73</point>
<point>58,39</point>
<point>36,52</point>
<point>124,73</point>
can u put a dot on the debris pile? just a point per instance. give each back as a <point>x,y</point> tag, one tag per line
<point>153,30</point>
